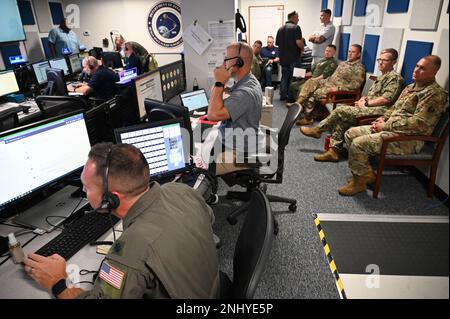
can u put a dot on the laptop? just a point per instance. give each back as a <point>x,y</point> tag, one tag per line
<point>195,100</point>
<point>126,75</point>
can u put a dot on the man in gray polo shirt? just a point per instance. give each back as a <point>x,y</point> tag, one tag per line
<point>240,113</point>
<point>322,36</point>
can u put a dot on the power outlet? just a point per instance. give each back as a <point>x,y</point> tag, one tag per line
<point>86,33</point>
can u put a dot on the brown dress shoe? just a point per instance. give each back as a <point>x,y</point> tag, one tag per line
<point>357,185</point>
<point>304,121</point>
<point>311,131</point>
<point>332,155</point>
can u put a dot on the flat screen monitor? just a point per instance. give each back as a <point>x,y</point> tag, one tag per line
<point>8,83</point>
<point>74,63</point>
<point>56,84</point>
<point>126,76</point>
<point>160,142</point>
<point>112,59</point>
<point>195,100</point>
<point>147,86</point>
<point>11,28</point>
<point>60,63</point>
<point>96,52</point>
<point>25,77</point>
<point>40,71</point>
<point>40,154</point>
<point>173,80</point>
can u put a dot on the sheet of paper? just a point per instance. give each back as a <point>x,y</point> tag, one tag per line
<point>299,73</point>
<point>222,32</point>
<point>197,38</point>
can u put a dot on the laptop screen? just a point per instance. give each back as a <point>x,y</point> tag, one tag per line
<point>160,142</point>
<point>195,100</point>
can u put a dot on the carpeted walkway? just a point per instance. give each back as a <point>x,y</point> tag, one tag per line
<point>297,266</point>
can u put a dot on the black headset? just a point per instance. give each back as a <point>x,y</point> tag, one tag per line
<point>109,200</point>
<point>239,61</point>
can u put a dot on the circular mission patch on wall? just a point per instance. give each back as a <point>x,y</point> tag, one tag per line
<point>164,24</point>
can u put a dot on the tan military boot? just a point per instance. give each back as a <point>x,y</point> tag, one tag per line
<point>311,131</point>
<point>369,176</point>
<point>332,155</point>
<point>305,121</point>
<point>356,185</point>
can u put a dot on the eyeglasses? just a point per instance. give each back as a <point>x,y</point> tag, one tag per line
<point>383,60</point>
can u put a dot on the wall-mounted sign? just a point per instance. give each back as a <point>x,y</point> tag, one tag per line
<point>164,24</point>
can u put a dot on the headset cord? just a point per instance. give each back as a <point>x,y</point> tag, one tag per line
<point>112,226</point>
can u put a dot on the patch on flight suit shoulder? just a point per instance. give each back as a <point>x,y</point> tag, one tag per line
<point>112,279</point>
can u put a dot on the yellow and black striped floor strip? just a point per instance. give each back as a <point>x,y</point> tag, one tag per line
<point>331,262</point>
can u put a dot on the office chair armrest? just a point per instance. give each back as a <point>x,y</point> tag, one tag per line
<point>342,95</point>
<point>366,120</point>
<point>400,138</point>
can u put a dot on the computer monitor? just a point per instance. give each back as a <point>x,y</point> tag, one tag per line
<point>98,125</point>
<point>161,143</point>
<point>74,63</point>
<point>8,83</point>
<point>173,80</point>
<point>56,84</point>
<point>60,63</point>
<point>147,86</point>
<point>41,154</point>
<point>25,77</point>
<point>112,59</point>
<point>126,76</point>
<point>161,111</point>
<point>195,100</point>
<point>96,52</point>
<point>40,71</point>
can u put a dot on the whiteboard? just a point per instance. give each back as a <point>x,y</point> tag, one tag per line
<point>264,21</point>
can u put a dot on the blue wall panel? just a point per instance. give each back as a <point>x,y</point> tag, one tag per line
<point>360,8</point>
<point>26,13</point>
<point>7,51</point>
<point>338,5</point>
<point>414,51</point>
<point>56,11</point>
<point>398,6</point>
<point>324,4</point>
<point>48,53</point>
<point>344,42</point>
<point>370,51</point>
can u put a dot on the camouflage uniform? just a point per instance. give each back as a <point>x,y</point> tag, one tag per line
<point>416,112</point>
<point>256,66</point>
<point>348,76</point>
<point>388,85</point>
<point>166,249</point>
<point>324,67</point>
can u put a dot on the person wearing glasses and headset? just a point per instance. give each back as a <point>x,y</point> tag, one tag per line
<point>382,94</point>
<point>239,113</point>
<point>166,249</point>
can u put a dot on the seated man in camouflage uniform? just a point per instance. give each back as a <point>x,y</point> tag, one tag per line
<point>257,60</point>
<point>166,249</point>
<point>349,75</point>
<point>321,70</point>
<point>382,94</point>
<point>417,111</point>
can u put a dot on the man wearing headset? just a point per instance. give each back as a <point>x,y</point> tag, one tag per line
<point>102,83</point>
<point>240,113</point>
<point>166,249</point>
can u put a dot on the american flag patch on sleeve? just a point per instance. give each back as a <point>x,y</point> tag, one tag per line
<point>111,275</point>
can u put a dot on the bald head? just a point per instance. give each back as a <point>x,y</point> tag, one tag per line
<point>245,51</point>
<point>434,60</point>
<point>426,69</point>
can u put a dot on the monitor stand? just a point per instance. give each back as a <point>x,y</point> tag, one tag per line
<point>60,203</point>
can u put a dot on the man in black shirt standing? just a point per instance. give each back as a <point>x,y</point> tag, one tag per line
<point>102,83</point>
<point>289,41</point>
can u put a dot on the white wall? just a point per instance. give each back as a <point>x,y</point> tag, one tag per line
<point>129,17</point>
<point>308,10</point>
<point>202,11</point>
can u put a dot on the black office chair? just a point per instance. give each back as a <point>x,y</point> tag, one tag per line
<point>254,177</point>
<point>251,251</point>
<point>8,119</point>
<point>57,105</point>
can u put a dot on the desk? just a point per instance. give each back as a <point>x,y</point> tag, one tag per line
<point>15,283</point>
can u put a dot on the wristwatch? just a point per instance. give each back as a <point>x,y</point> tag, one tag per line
<point>59,287</point>
<point>219,85</point>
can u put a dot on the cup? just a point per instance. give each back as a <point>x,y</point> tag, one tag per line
<point>269,94</point>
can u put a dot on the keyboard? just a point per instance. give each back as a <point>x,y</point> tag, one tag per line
<point>78,234</point>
